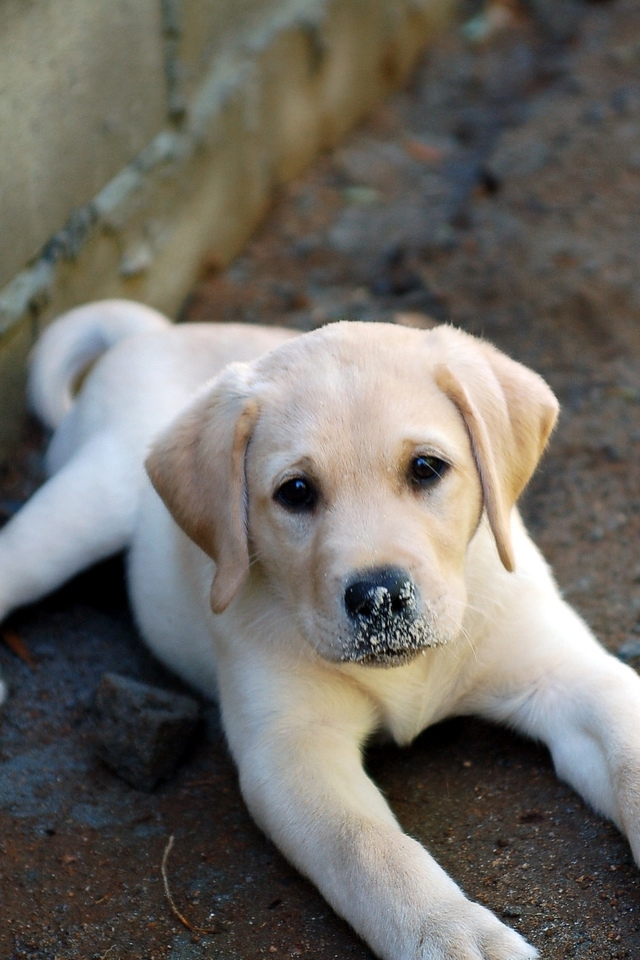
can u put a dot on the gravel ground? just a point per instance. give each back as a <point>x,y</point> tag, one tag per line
<point>501,192</point>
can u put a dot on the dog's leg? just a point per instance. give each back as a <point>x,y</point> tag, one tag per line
<point>560,686</point>
<point>298,754</point>
<point>83,514</point>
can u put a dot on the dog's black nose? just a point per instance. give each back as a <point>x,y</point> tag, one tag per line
<point>380,593</point>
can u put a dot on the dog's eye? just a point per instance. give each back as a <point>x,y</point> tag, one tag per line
<point>425,470</point>
<point>297,494</point>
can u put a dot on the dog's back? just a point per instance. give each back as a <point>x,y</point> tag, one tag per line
<point>141,371</point>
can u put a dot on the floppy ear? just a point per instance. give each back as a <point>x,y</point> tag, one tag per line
<point>509,412</point>
<point>197,468</point>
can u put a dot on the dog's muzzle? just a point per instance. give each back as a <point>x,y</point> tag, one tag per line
<point>384,614</point>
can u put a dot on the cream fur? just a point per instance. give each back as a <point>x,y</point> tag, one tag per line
<point>245,596</point>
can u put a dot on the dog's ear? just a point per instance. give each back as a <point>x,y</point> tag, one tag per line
<point>197,466</point>
<point>509,412</point>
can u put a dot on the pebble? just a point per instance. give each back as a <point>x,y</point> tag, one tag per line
<point>512,910</point>
<point>629,650</point>
<point>517,157</point>
<point>141,731</point>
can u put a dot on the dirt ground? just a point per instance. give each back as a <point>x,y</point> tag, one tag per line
<point>500,192</point>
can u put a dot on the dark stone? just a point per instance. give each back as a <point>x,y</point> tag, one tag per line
<point>142,731</point>
<point>629,650</point>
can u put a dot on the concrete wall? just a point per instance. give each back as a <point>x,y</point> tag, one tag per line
<point>136,135</point>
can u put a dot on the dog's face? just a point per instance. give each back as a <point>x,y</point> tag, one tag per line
<point>350,469</point>
<point>363,496</point>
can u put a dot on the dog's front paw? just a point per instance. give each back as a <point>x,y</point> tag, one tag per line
<point>470,932</point>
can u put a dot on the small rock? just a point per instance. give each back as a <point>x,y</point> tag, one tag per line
<point>374,164</point>
<point>582,585</point>
<point>136,261</point>
<point>512,910</point>
<point>413,318</point>
<point>494,18</point>
<point>142,731</point>
<point>629,650</point>
<point>625,100</point>
<point>518,158</point>
<point>625,55</point>
<point>614,454</point>
<point>364,196</point>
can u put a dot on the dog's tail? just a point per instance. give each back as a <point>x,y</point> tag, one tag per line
<point>72,343</point>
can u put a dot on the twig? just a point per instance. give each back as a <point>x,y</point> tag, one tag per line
<point>17,645</point>
<point>165,880</point>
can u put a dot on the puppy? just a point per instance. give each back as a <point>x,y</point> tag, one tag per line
<point>329,544</point>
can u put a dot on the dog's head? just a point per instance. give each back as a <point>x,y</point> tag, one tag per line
<point>347,472</point>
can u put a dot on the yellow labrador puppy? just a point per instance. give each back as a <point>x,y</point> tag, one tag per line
<point>329,544</point>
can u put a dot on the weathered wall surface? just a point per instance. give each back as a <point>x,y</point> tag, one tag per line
<point>137,135</point>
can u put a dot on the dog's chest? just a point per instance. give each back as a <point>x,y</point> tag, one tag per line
<point>412,697</point>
